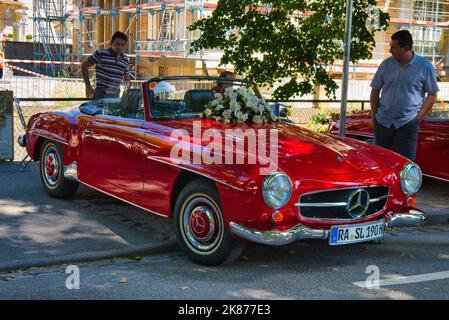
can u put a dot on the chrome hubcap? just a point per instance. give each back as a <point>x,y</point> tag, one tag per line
<point>202,225</point>
<point>51,167</point>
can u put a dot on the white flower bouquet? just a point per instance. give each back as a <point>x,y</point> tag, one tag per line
<point>238,105</point>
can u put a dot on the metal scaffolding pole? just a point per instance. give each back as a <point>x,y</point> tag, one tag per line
<point>50,41</point>
<point>344,90</point>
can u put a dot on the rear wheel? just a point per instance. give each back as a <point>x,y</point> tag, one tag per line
<point>200,226</point>
<point>51,169</point>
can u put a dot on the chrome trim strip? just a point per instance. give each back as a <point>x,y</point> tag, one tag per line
<point>353,135</point>
<point>322,204</point>
<point>278,238</point>
<point>339,203</point>
<point>380,198</point>
<point>340,220</point>
<point>434,177</point>
<point>193,171</point>
<point>133,204</point>
<point>49,138</point>
<point>360,135</point>
<point>71,171</point>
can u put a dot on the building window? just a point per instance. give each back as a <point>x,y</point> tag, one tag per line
<point>427,40</point>
<point>163,71</point>
<point>428,10</point>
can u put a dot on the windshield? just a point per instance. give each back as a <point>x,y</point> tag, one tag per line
<point>187,98</point>
<point>128,105</point>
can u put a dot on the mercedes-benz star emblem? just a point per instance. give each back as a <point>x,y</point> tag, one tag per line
<point>358,203</point>
<point>198,224</point>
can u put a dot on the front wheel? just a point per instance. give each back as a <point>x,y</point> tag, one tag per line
<point>51,169</point>
<point>200,226</point>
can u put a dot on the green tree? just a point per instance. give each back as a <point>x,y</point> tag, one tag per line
<point>288,39</point>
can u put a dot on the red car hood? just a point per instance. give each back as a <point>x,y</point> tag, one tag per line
<point>300,151</point>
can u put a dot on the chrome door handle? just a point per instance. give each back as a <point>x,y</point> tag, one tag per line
<point>88,132</point>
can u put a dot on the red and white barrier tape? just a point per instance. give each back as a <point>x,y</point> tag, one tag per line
<point>41,62</point>
<point>29,72</point>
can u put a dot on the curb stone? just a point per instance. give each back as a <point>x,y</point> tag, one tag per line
<point>144,250</point>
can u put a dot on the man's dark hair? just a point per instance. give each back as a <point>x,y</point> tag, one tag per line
<point>225,74</point>
<point>404,38</point>
<point>119,35</point>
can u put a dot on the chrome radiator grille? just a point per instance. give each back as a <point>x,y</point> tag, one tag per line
<point>343,204</point>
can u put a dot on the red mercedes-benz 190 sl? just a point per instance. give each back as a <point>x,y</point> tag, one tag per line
<point>432,153</point>
<point>223,168</point>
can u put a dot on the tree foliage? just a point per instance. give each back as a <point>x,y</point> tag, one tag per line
<point>270,41</point>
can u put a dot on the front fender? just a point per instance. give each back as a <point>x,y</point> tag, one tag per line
<point>52,126</point>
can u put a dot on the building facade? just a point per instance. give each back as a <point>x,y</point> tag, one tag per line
<point>12,15</point>
<point>427,20</point>
<point>70,30</point>
<point>159,42</point>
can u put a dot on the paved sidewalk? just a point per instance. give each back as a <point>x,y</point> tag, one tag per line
<point>37,230</point>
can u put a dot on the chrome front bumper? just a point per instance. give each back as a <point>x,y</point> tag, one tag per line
<point>300,232</point>
<point>412,218</point>
<point>278,238</point>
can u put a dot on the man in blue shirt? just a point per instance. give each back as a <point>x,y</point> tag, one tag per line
<point>398,96</point>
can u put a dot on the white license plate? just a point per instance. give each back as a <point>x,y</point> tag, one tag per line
<point>356,233</point>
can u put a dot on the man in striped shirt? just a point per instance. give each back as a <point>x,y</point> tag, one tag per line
<point>111,66</point>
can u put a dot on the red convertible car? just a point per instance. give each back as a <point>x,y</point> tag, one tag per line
<point>329,188</point>
<point>432,152</point>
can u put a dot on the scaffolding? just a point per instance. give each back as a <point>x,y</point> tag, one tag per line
<point>51,35</point>
<point>165,33</point>
<point>156,29</point>
<point>427,20</point>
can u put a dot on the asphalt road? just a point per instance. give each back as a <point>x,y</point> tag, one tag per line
<point>308,270</point>
<point>37,228</point>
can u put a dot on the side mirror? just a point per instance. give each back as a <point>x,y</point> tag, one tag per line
<point>283,113</point>
<point>90,109</point>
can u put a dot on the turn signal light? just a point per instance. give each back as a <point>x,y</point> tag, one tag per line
<point>277,216</point>
<point>411,202</point>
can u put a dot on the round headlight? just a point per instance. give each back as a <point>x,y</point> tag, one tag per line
<point>277,189</point>
<point>411,178</point>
